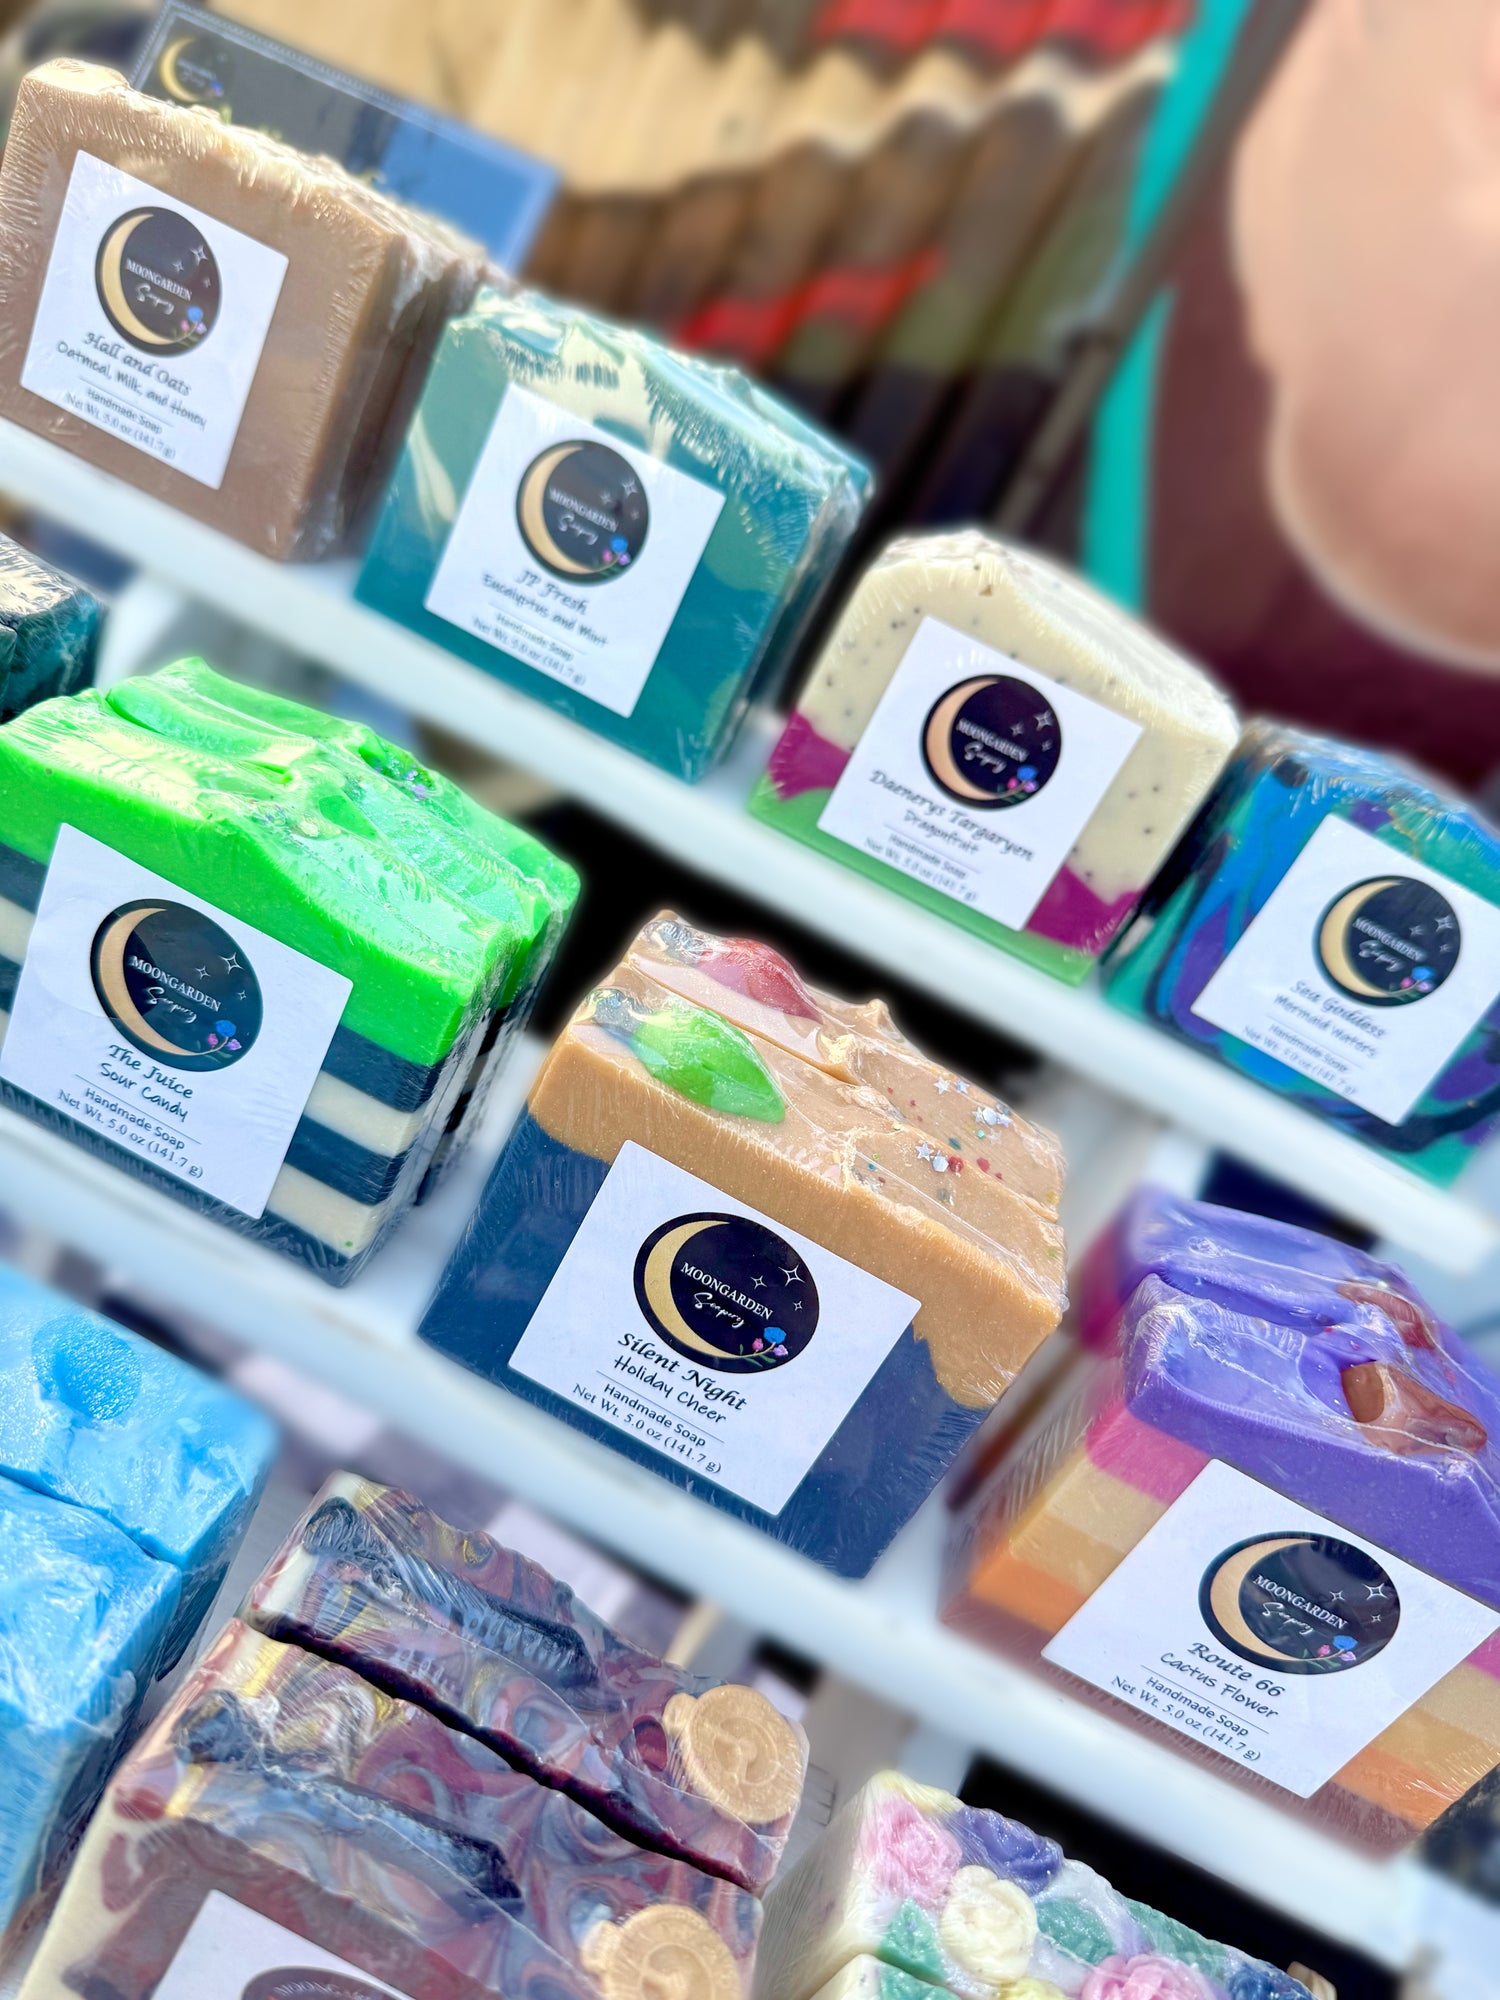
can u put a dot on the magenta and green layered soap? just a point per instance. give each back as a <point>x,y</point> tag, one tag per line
<point>988,737</point>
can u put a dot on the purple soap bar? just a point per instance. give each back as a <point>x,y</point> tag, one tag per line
<point>1399,1442</point>
<point>489,1641</point>
<point>1248,1262</point>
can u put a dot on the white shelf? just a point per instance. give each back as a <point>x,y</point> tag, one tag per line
<point>882,1634</point>
<point>310,609</point>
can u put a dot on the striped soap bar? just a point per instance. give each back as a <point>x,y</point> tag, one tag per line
<point>1366,1412</point>
<point>341,856</point>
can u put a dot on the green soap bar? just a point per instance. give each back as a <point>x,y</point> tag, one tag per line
<point>685,617</point>
<point>475,855</point>
<point>49,631</point>
<point>271,845</point>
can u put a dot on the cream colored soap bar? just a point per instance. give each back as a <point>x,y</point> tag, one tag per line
<point>989,737</point>
<point>226,323</point>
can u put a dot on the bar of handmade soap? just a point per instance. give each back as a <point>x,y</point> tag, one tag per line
<point>1333,932</point>
<point>978,1905</point>
<point>627,533</point>
<point>94,1415</point>
<point>486,1638</point>
<point>751,984</point>
<point>866,1978</point>
<point>750,1275</point>
<point>985,735</point>
<point>1252,1263</point>
<point>434,820</point>
<point>84,1616</point>
<point>349,924</point>
<point>49,631</point>
<point>281,1803</point>
<point>224,322</point>
<point>1281,1495</point>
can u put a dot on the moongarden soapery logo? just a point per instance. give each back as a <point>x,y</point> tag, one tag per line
<point>1388,941</point>
<point>157,281</point>
<point>991,741</point>
<point>176,985</point>
<point>726,1291</point>
<point>1301,1604</point>
<point>582,511</point>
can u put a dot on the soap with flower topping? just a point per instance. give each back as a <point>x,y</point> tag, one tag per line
<point>282,1813</point>
<point>1332,930</point>
<point>487,1639</point>
<point>49,631</point>
<point>747,1273</point>
<point>968,1902</point>
<point>984,734</point>
<point>234,327</point>
<point>631,535</point>
<point>1292,1481</point>
<point>84,1619</point>
<point>97,1417</point>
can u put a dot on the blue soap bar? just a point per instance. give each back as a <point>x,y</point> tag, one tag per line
<point>84,1617</point>
<point>634,536</point>
<point>487,189</point>
<point>49,631</point>
<point>94,1415</point>
<point>1332,928</point>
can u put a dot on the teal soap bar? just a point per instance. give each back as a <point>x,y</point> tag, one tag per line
<point>630,534</point>
<point>49,631</point>
<point>84,1616</point>
<point>97,1417</point>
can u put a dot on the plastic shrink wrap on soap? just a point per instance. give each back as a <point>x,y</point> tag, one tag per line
<point>1253,1263</point>
<point>776,501</point>
<point>49,631</point>
<point>956,1278</point>
<point>84,1621</point>
<point>97,1417</point>
<point>276,425</point>
<point>1283,792</point>
<point>281,1801</point>
<point>1357,1404</point>
<point>978,1906</point>
<point>486,1638</point>
<point>982,610</point>
<point>348,852</point>
<point>457,839</point>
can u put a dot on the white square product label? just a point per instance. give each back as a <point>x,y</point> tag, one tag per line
<point>977,774</point>
<point>572,550</point>
<point>184,1036</point>
<point>1365,971</point>
<point>151,319</point>
<point>707,1331</point>
<point>232,1953</point>
<point>1268,1633</point>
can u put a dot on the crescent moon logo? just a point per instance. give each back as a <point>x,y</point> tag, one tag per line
<point>176,985</point>
<point>1388,941</point>
<point>169,70</point>
<point>992,741</point>
<point>727,1292</point>
<point>582,511</point>
<point>157,281</point>
<point>1299,1603</point>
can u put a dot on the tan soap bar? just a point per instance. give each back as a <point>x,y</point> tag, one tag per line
<point>752,985</point>
<point>224,322</point>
